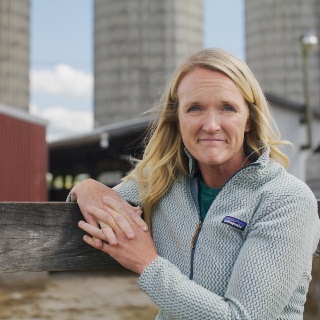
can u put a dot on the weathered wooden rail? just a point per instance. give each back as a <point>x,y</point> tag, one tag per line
<point>44,236</point>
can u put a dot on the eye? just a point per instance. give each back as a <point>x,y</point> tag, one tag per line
<point>228,107</point>
<point>194,108</point>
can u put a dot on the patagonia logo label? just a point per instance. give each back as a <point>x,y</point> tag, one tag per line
<point>234,222</point>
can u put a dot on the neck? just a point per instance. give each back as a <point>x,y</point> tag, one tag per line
<point>216,177</point>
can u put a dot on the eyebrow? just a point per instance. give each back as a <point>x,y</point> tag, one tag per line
<point>232,102</point>
<point>191,103</point>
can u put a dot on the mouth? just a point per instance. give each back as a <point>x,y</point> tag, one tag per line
<point>210,140</point>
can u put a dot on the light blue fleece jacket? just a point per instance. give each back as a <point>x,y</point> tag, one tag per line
<point>252,257</point>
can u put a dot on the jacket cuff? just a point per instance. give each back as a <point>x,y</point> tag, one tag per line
<point>69,197</point>
<point>154,273</point>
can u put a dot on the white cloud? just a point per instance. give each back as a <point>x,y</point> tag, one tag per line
<point>64,122</point>
<point>63,80</point>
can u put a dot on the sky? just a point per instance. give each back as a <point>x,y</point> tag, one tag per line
<point>61,57</point>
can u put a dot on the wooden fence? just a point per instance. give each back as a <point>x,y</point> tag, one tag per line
<point>44,236</point>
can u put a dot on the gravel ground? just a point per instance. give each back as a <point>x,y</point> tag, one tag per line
<point>90,295</point>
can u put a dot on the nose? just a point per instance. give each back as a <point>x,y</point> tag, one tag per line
<point>211,122</point>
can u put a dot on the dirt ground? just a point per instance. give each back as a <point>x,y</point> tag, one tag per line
<point>90,295</point>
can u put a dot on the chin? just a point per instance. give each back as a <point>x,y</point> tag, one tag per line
<point>212,162</point>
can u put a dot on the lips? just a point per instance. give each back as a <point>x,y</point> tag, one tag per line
<point>210,140</point>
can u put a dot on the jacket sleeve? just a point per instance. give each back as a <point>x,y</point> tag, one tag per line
<point>129,191</point>
<point>274,261</point>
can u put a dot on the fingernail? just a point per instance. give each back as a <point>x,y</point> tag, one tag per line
<point>145,228</point>
<point>113,241</point>
<point>131,235</point>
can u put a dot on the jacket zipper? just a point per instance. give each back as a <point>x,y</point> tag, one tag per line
<point>193,247</point>
<point>198,229</point>
<point>195,236</point>
<point>199,226</point>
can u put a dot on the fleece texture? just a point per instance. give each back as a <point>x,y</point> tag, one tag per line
<point>252,256</point>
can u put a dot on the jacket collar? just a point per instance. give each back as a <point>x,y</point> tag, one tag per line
<point>193,165</point>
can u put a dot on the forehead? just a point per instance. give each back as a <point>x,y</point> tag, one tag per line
<point>201,79</point>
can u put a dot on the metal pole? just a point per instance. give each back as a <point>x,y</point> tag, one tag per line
<point>309,43</point>
<point>307,108</point>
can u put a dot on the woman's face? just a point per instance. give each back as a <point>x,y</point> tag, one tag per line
<point>213,118</point>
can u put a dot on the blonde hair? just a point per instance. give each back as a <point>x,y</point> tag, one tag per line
<point>164,154</point>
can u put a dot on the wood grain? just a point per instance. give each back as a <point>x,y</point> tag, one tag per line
<point>44,236</point>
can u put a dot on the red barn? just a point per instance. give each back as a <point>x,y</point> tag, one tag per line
<point>23,157</point>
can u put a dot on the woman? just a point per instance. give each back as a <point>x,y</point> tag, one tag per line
<point>232,232</point>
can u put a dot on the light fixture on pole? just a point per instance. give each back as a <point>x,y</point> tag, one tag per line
<point>309,43</point>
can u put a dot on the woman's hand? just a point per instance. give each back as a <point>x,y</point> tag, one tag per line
<point>109,208</point>
<point>134,254</point>
<point>115,215</point>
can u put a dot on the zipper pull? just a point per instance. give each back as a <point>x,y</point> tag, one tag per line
<point>195,235</point>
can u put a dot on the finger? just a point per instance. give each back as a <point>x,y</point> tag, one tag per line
<point>126,209</point>
<point>89,218</point>
<point>90,241</point>
<point>114,219</point>
<point>107,230</point>
<point>136,217</point>
<point>123,223</point>
<point>102,215</point>
<point>118,205</point>
<point>92,221</point>
<point>135,212</point>
<point>96,233</point>
<point>138,210</point>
